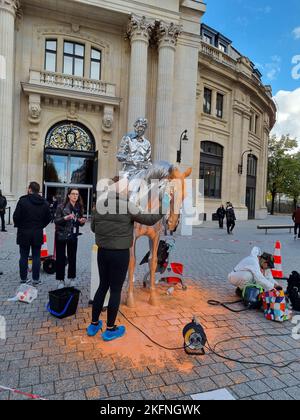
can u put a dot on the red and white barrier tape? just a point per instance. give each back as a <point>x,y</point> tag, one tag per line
<point>26,394</point>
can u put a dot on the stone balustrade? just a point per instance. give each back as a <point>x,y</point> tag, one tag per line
<point>218,55</point>
<point>75,83</point>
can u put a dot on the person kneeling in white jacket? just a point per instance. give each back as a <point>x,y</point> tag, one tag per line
<point>255,269</point>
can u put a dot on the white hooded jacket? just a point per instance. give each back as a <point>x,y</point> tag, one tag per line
<point>250,266</point>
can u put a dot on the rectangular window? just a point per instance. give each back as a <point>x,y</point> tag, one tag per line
<point>220,105</point>
<point>251,122</point>
<point>208,39</point>
<point>223,48</point>
<point>212,176</point>
<point>207,101</point>
<point>73,59</point>
<point>256,124</point>
<point>50,55</point>
<point>95,72</point>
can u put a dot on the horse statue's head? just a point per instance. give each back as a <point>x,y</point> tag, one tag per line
<point>171,181</point>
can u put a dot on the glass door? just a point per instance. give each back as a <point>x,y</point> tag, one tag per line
<point>60,193</point>
<point>63,171</point>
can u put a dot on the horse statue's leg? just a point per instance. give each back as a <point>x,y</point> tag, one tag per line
<point>131,268</point>
<point>153,265</point>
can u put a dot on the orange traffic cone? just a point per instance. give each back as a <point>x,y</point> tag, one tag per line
<point>44,249</point>
<point>277,271</point>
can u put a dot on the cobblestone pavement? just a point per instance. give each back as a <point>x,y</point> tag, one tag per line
<point>54,358</point>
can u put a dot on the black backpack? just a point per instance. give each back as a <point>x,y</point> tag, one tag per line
<point>293,290</point>
<point>162,256</point>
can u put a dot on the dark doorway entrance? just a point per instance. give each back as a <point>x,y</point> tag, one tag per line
<point>69,162</point>
<point>251,186</point>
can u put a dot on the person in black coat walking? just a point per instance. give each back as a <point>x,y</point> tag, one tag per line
<point>230,218</point>
<point>3,204</point>
<point>68,219</point>
<point>221,212</point>
<point>31,216</point>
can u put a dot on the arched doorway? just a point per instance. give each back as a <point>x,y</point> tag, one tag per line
<point>70,160</point>
<point>251,186</point>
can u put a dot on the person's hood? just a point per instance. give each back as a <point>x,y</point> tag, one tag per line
<point>256,252</point>
<point>36,199</point>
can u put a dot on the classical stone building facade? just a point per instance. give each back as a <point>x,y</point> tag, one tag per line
<point>76,74</point>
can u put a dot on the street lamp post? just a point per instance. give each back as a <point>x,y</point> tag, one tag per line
<point>240,167</point>
<point>183,137</point>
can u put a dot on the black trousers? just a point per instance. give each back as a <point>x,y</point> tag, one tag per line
<point>221,222</point>
<point>297,228</point>
<point>36,262</point>
<point>2,215</point>
<point>61,247</point>
<point>113,266</point>
<point>230,226</point>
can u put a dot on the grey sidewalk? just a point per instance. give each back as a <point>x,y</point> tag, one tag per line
<point>52,358</point>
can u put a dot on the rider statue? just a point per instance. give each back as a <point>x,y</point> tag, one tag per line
<point>135,150</point>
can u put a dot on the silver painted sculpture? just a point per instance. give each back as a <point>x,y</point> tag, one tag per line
<point>135,150</point>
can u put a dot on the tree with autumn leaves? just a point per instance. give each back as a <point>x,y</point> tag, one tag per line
<point>283,169</point>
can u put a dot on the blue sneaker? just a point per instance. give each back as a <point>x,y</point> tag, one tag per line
<point>92,329</point>
<point>117,332</point>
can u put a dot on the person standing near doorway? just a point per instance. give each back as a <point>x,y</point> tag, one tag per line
<point>31,216</point>
<point>296,220</point>
<point>53,207</point>
<point>221,212</point>
<point>230,218</point>
<point>3,204</point>
<point>68,219</point>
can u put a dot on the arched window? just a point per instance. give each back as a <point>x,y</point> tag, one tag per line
<point>70,136</point>
<point>211,163</point>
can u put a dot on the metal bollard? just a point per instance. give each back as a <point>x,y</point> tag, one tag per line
<point>9,215</point>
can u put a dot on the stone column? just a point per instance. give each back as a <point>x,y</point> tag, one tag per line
<point>8,10</point>
<point>167,38</point>
<point>139,31</point>
<point>236,182</point>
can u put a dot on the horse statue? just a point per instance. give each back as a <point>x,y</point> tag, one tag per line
<point>174,182</point>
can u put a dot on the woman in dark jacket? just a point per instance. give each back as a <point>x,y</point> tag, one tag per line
<point>68,219</point>
<point>221,212</point>
<point>114,237</point>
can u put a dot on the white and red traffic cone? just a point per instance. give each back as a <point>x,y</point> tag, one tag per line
<point>44,249</point>
<point>277,272</point>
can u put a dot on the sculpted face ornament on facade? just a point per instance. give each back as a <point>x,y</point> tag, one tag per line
<point>34,113</point>
<point>71,137</point>
<point>107,123</point>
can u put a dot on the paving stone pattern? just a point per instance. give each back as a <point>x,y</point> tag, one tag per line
<point>54,358</point>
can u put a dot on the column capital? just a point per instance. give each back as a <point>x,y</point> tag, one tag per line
<point>11,6</point>
<point>168,33</point>
<point>139,27</point>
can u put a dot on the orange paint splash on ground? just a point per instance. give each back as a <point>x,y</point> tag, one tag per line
<point>164,324</point>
